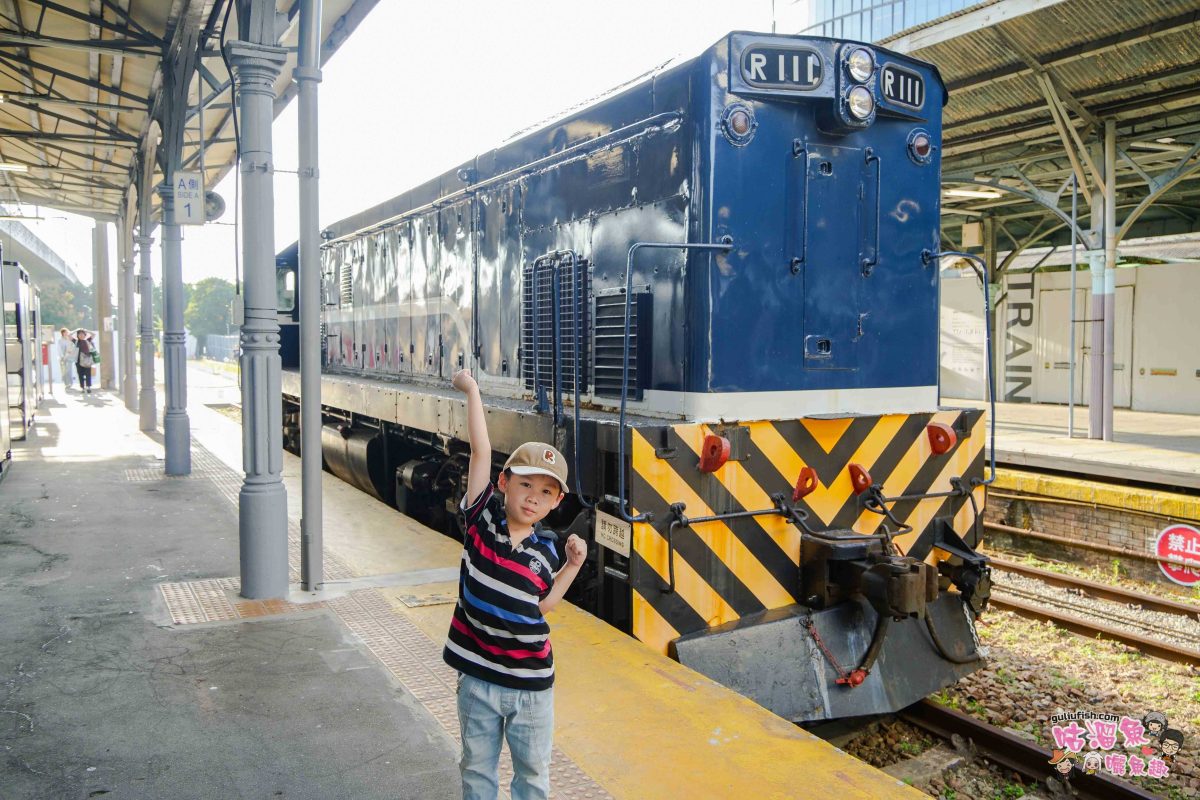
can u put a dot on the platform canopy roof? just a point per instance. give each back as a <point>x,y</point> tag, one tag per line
<point>88,87</point>
<point>1032,83</point>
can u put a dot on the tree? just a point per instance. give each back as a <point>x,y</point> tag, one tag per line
<point>207,311</point>
<point>159,308</point>
<point>66,305</point>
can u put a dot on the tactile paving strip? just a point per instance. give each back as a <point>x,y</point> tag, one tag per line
<point>216,600</point>
<point>416,661</point>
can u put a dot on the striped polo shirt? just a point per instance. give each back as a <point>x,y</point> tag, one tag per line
<point>498,633</point>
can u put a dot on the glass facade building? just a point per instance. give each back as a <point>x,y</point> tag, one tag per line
<point>864,20</point>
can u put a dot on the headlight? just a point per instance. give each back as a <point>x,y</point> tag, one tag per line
<point>860,102</point>
<point>860,64</point>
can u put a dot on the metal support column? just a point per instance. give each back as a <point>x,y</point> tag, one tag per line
<point>129,381</point>
<point>262,503</point>
<point>103,298</point>
<point>177,436</point>
<point>1110,270</point>
<point>122,307</point>
<point>999,337</point>
<point>1096,335</point>
<point>308,75</point>
<point>147,402</point>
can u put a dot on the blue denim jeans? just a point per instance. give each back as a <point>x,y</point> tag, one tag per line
<point>488,715</point>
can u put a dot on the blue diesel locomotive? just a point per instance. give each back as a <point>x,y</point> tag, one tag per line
<point>715,290</point>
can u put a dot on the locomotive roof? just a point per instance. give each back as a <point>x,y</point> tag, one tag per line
<point>447,185</point>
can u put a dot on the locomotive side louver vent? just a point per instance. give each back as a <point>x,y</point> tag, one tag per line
<point>347,282</point>
<point>609,347</point>
<point>538,346</point>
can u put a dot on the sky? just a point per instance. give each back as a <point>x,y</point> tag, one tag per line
<point>421,87</point>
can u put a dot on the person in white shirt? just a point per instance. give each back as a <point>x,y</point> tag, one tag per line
<point>65,347</point>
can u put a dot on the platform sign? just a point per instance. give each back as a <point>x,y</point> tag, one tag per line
<point>189,198</point>
<point>1182,543</point>
<point>613,532</point>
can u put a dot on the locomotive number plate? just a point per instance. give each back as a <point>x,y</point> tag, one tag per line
<point>613,532</point>
<point>902,86</point>
<point>781,68</point>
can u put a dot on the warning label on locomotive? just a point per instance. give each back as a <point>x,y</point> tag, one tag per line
<point>613,532</point>
<point>781,67</point>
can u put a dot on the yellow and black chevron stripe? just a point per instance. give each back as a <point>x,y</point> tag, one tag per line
<point>725,570</point>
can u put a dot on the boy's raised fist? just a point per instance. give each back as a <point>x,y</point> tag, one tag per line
<point>576,550</point>
<point>463,381</point>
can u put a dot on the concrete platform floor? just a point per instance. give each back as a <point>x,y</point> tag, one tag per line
<point>100,697</point>
<point>1162,449</point>
<point>131,668</point>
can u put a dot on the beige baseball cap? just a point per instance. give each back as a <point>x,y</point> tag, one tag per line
<point>539,458</point>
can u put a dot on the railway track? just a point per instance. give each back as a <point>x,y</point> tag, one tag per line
<point>1011,751</point>
<point>1096,589</point>
<point>1129,630</point>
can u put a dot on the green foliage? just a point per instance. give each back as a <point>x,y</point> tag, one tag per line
<point>66,305</point>
<point>207,310</point>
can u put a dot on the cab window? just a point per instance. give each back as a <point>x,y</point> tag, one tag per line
<point>285,288</point>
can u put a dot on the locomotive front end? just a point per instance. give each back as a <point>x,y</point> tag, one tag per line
<point>809,539</point>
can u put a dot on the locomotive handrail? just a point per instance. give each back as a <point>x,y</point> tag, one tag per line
<point>550,261</point>
<point>980,267</point>
<point>868,264</point>
<point>679,520</point>
<point>725,245</point>
<point>800,148</point>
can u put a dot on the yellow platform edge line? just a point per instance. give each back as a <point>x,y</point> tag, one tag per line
<point>1109,495</point>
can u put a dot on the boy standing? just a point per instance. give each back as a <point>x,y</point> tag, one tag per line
<point>512,573</point>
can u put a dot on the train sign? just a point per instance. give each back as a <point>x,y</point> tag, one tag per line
<point>613,532</point>
<point>765,67</point>
<point>1180,543</point>
<point>902,87</point>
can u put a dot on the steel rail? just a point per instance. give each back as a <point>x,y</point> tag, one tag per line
<point>1013,752</point>
<point>1096,589</point>
<point>1067,605</point>
<point>1091,629</point>
<point>1079,543</point>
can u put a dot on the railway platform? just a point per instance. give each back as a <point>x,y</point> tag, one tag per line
<point>1148,448</point>
<point>133,669</point>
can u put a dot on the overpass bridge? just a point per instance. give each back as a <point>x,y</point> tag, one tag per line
<point>21,244</point>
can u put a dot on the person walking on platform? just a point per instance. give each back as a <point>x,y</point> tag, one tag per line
<point>65,347</point>
<point>512,572</point>
<point>85,359</point>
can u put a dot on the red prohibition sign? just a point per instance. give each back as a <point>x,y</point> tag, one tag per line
<point>1182,543</point>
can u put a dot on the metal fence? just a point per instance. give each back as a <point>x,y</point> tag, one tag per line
<point>221,348</point>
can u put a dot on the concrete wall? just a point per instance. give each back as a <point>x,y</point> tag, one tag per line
<point>1158,324</point>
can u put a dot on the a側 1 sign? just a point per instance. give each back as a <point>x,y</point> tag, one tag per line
<point>189,198</point>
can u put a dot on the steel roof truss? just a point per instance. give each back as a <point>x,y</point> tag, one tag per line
<point>20,59</point>
<point>1071,140</point>
<point>1160,184</point>
<point>131,22</point>
<point>99,22</point>
<point>32,99</point>
<point>120,47</point>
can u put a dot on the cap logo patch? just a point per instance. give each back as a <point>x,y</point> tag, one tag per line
<point>548,456</point>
